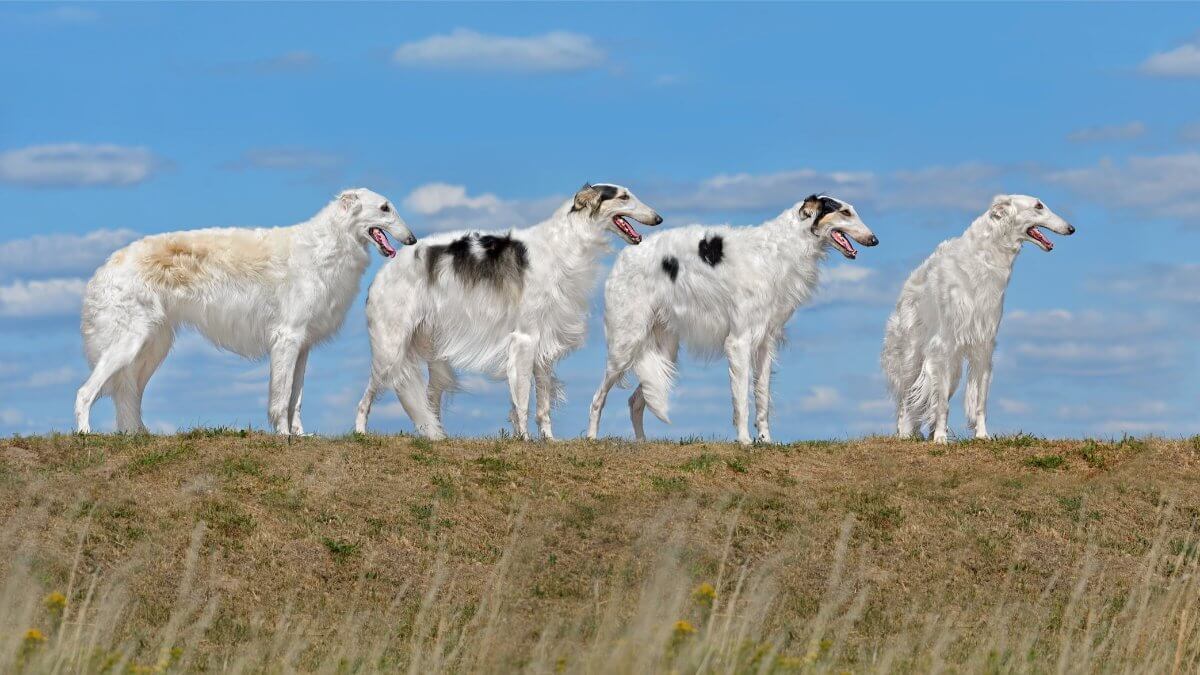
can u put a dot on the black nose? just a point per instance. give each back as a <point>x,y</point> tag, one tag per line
<point>1070,229</point>
<point>872,241</point>
<point>412,239</point>
<point>657,219</point>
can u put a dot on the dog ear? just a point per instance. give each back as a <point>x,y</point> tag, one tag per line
<point>348,202</point>
<point>809,208</point>
<point>1001,207</point>
<point>588,197</point>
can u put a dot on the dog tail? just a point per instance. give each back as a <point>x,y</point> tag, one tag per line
<point>656,373</point>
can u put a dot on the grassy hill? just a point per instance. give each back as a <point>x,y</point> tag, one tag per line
<point>233,551</point>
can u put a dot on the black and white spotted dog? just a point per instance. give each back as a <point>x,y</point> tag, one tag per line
<point>509,304</point>
<point>717,289</point>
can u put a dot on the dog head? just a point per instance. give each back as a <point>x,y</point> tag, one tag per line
<point>370,217</point>
<point>1022,216</point>
<point>835,222</point>
<point>609,206</point>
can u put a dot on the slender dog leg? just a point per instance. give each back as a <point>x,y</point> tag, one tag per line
<point>285,350</point>
<point>121,353</point>
<point>764,356</point>
<point>520,371</point>
<point>737,349</point>
<point>364,406</point>
<point>543,376</point>
<point>949,369</point>
<point>611,376</point>
<point>441,377</point>
<point>414,397</point>
<point>294,424</point>
<point>979,381</point>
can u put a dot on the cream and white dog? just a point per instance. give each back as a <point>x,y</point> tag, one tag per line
<point>949,311</point>
<point>255,292</point>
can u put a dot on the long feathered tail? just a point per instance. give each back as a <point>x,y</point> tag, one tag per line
<point>656,373</point>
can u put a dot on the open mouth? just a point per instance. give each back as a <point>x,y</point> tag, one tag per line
<point>1036,235</point>
<point>843,242</point>
<point>381,240</point>
<point>631,235</point>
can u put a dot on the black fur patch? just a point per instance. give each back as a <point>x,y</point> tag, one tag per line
<point>825,206</point>
<point>712,249</point>
<point>606,192</point>
<point>503,261</point>
<point>670,265</point>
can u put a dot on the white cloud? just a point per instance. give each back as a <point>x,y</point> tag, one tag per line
<point>1113,132</point>
<point>77,165</point>
<point>965,187</point>
<point>1082,358</point>
<point>434,198</point>
<point>1013,407</point>
<point>11,416</point>
<point>745,191</point>
<point>442,206</point>
<point>848,283</point>
<point>877,405</point>
<point>59,254</point>
<point>52,377</point>
<point>1170,282</point>
<point>1183,61</point>
<point>1083,323</point>
<point>1162,185</point>
<point>34,299</point>
<point>821,399</point>
<point>465,49</point>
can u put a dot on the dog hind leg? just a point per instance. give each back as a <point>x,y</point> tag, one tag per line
<point>117,356</point>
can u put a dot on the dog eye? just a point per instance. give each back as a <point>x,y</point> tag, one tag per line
<point>1039,206</point>
<point>385,208</point>
<point>846,212</point>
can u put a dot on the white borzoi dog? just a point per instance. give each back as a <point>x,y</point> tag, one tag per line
<point>509,304</point>
<point>276,291</point>
<point>717,288</point>
<point>949,310</point>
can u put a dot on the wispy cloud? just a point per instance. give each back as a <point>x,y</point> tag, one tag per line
<point>1113,132</point>
<point>752,192</point>
<point>36,299</point>
<point>78,165</point>
<point>444,206</point>
<point>821,399</point>
<point>1161,185</point>
<point>1164,282</point>
<point>1182,61</point>
<point>49,255</point>
<point>298,61</point>
<point>465,49</point>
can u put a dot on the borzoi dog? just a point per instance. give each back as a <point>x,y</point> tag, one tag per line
<point>949,310</point>
<point>254,292</point>
<point>509,304</point>
<point>717,288</point>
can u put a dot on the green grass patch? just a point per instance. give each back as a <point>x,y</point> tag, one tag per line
<point>1046,462</point>
<point>701,462</point>
<point>148,461</point>
<point>669,486</point>
<point>339,548</point>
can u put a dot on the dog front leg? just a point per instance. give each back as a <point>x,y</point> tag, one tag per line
<point>763,358</point>
<point>294,424</point>
<point>543,376</point>
<point>979,381</point>
<point>737,349</point>
<point>285,351</point>
<point>520,371</point>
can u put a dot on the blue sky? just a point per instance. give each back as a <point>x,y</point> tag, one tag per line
<point>128,119</point>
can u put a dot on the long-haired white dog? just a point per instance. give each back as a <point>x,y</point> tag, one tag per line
<point>276,291</point>
<point>717,288</point>
<point>509,304</point>
<point>949,310</point>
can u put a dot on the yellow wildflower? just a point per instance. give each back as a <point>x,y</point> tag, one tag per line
<point>34,636</point>
<point>704,594</point>
<point>684,627</point>
<point>55,602</point>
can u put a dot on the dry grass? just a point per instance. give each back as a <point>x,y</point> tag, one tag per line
<point>227,551</point>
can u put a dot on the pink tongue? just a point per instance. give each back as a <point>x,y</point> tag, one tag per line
<point>627,228</point>
<point>381,239</point>
<point>841,239</point>
<point>1036,234</point>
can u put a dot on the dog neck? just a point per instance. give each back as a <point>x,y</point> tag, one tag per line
<point>326,239</point>
<point>990,244</point>
<point>793,241</point>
